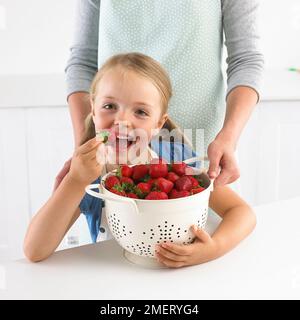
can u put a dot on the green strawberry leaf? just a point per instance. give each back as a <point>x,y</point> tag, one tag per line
<point>146,178</point>
<point>127,187</point>
<point>118,173</point>
<point>138,192</point>
<point>200,181</point>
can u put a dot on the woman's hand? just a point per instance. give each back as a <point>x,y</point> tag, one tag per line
<point>240,104</point>
<point>221,156</point>
<point>84,166</point>
<point>203,249</point>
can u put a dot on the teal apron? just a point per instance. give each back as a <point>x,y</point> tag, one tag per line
<point>186,37</point>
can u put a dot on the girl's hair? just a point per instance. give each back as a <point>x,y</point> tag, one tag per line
<point>146,67</point>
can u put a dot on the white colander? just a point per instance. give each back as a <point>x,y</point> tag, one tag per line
<point>138,225</point>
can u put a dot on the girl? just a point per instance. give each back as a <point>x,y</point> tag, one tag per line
<point>133,90</point>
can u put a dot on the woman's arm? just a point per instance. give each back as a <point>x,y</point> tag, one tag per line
<point>52,221</point>
<point>83,63</point>
<point>79,107</point>
<point>244,74</point>
<point>245,60</point>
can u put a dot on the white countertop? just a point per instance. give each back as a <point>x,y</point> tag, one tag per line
<point>46,90</point>
<point>264,266</point>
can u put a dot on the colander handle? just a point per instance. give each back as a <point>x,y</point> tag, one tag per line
<point>195,159</point>
<point>211,186</point>
<point>102,196</point>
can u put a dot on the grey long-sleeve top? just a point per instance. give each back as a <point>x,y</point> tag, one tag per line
<point>239,20</point>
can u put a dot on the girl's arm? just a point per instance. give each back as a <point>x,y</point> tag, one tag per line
<point>238,220</point>
<point>52,221</point>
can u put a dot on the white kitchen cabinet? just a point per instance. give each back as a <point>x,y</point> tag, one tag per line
<point>269,153</point>
<point>279,147</point>
<point>34,143</point>
<point>50,144</point>
<point>14,191</point>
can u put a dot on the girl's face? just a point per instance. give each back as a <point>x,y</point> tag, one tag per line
<point>128,105</point>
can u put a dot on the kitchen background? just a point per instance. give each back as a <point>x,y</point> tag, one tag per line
<point>36,133</point>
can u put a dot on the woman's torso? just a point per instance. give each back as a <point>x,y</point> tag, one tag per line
<point>185,36</point>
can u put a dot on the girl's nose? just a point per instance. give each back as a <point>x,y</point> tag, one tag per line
<point>122,127</point>
<point>122,119</point>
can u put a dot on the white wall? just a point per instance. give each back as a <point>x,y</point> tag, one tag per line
<point>280,32</point>
<point>35,35</point>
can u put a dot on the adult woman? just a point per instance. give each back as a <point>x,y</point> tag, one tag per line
<point>186,37</point>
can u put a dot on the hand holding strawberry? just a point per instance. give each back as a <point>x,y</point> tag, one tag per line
<point>84,166</point>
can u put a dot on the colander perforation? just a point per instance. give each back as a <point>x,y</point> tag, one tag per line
<point>160,234</point>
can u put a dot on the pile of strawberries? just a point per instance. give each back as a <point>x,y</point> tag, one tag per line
<point>155,181</point>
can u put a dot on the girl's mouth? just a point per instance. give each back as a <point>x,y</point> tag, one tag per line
<point>123,142</point>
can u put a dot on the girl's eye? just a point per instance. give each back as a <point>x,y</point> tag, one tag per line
<point>141,112</point>
<point>108,106</point>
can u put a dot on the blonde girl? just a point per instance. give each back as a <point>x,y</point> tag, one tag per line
<point>131,90</point>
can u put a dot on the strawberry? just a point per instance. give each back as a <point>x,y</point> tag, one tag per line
<point>146,178</point>
<point>172,176</point>
<point>194,181</point>
<point>152,182</point>
<point>158,168</point>
<point>139,171</point>
<point>157,195</point>
<point>111,181</point>
<point>164,185</point>
<point>128,187</point>
<point>132,195</point>
<point>125,171</point>
<point>197,190</point>
<point>118,192</point>
<point>144,188</point>
<point>126,180</point>
<point>179,168</point>
<point>200,180</point>
<point>183,183</point>
<point>174,194</point>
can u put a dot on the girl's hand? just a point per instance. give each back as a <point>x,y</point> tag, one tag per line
<point>84,166</point>
<point>62,173</point>
<point>203,249</point>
